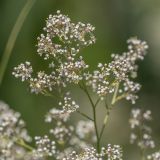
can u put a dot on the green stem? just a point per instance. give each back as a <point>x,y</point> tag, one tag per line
<point>104,121</point>
<point>121,97</point>
<point>104,125</point>
<point>96,104</point>
<point>84,115</point>
<point>46,93</point>
<point>13,36</point>
<point>115,94</point>
<point>108,111</point>
<point>96,128</point>
<point>88,95</point>
<point>99,136</point>
<point>23,144</point>
<point>94,115</point>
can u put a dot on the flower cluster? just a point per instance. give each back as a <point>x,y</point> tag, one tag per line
<point>23,71</point>
<point>12,130</point>
<point>87,154</point>
<point>71,70</point>
<point>41,83</point>
<point>62,41</point>
<point>56,114</point>
<point>113,152</point>
<point>60,44</point>
<point>69,37</point>
<point>9,151</point>
<point>11,124</point>
<point>67,105</point>
<point>44,147</point>
<point>119,71</point>
<point>62,132</point>
<point>74,138</point>
<point>129,90</point>
<point>85,130</point>
<point>109,153</point>
<point>154,156</point>
<point>141,132</point>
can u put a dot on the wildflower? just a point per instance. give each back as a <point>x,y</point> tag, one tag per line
<point>60,44</point>
<point>87,154</point>
<point>23,71</point>
<point>85,130</point>
<point>114,152</point>
<point>45,147</point>
<point>41,83</point>
<point>154,156</point>
<point>68,33</point>
<point>71,70</point>
<point>67,105</point>
<point>62,132</point>
<point>62,41</point>
<point>138,124</point>
<point>57,115</point>
<point>78,143</point>
<point>131,88</point>
<point>11,125</point>
<point>110,153</point>
<point>12,129</point>
<point>119,71</point>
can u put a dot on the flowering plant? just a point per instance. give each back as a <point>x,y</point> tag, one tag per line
<point>60,46</point>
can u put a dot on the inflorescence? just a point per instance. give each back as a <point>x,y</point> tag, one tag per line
<point>60,45</point>
<point>119,71</point>
<point>141,132</point>
<point>110,153</point>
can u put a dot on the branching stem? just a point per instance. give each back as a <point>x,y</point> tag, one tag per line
<point>84,115</point>
<point>94,115</point>
<point>113,101</point>
<point>104,125</point>
<point>108,110</point>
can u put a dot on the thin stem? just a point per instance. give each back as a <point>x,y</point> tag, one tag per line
<point>115,94</point>
<point>104,125</point>
<point>96,129</point>
<point>106,106</point>
<point>88,95</point>
<point>23,144</point>
<point>121,97</point>
<point>104,122</point>
<point>108,110</point>
<point>46,93</point>
<point>99,136</point>
<point>94,115</point>
<point>84,115</point>
<point>13,36</point>
<point>96,104</point>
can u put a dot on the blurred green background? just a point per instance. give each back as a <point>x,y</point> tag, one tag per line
<point>115,22</point>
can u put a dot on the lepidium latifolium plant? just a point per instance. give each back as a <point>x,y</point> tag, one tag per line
<point>60,45</point>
